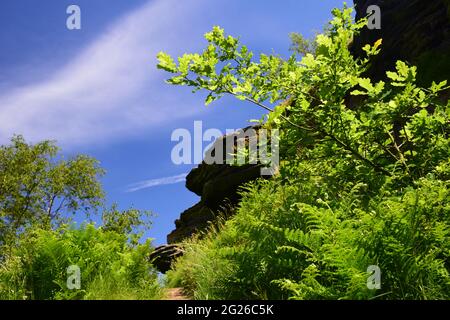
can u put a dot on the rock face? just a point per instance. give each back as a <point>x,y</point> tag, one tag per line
<point>163,256</point>
<point>218,186</point>
<point>191,221</point>
<point>416,31</point>
<point>217,183</point>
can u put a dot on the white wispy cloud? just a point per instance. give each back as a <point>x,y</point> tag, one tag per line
<point>156,182</point>
<point>112,87</point>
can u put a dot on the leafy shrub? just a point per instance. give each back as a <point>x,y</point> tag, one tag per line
<point>111,268</point>
<point>278,246</point>
<point>363,178</point>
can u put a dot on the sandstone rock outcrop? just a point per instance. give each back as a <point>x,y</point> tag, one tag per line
<point>163,256</point>
<point>218,186</point>
<point>191,221</point>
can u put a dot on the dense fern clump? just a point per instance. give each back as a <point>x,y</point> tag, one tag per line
<point>363,179</point>
<point>111,267</point>
<point>280,245</point>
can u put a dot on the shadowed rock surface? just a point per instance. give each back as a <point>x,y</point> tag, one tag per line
<point>416,31</point>
<point>163,256</point>
<point>217,184</point>
<point>191,221</point>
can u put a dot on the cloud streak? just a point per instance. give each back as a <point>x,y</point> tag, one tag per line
<point>112,87</point>
<point>156,182</point>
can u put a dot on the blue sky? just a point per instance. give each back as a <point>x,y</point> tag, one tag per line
<point>97,90</point>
